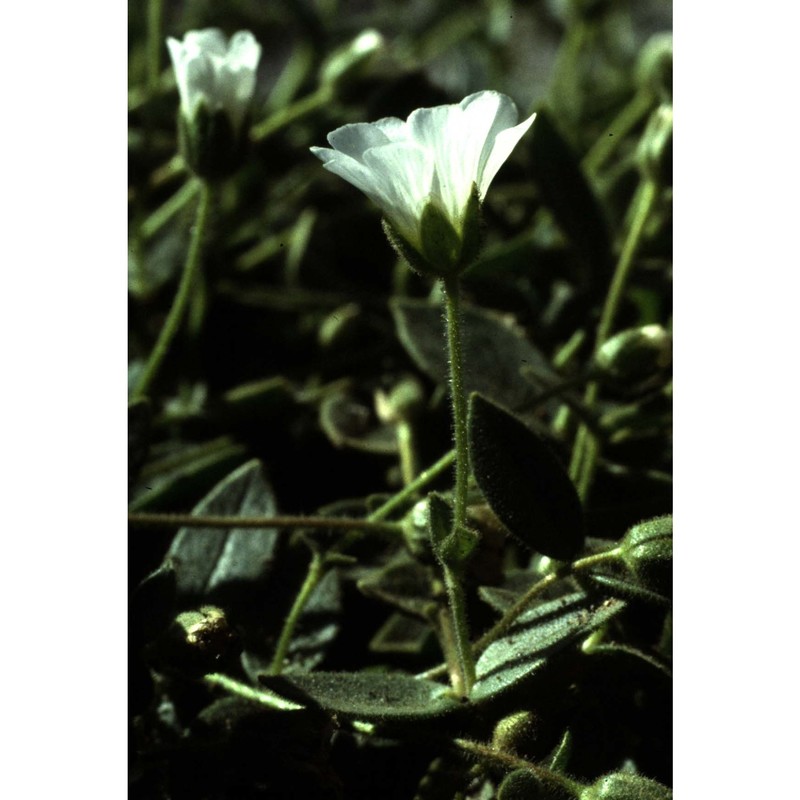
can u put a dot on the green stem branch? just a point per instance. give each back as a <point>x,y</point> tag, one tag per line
<point>182,297</point>
<point>586,449</point>
<point>312,579</point>
<point>489,754</point>
<point>408,492</point>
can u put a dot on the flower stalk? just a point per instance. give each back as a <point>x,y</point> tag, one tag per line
<point>181,302</point>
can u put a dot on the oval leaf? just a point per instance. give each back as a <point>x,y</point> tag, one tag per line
<point>369,696</point>
<point>523,482</point>
<point>494,349</point>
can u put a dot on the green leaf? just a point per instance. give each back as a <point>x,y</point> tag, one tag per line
<point>494,349</point>
<point>523,482</point>
<point>180,478</point>
<point>534,637</point>
<point>560,757</point>
<point>401,634</point>
<point>348,423</point>
<point>368,696</point>
<point>208,559</point>
<point>566,193</point>
<point>623,588</point>
<point>403,583</point>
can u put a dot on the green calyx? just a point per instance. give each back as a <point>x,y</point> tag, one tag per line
<point>209,143</point>
<point>646,550</point>
<point>443,250</point>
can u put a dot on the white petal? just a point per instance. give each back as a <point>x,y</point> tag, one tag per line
<point>352,171</point>
<point>440,130</point>
<point>486,114</point>
<point>356,138</point>
<point>244,51</point>
<point>200,84</point>
<point>209,40</point>
<point>403,174</point>
<point>503,145</point>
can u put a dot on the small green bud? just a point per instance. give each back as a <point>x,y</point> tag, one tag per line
<point>514,732</point>
<point>636,358</point>
<point>401,402</point>
<point>625,786</point>
<point>521,784</point>
<point>654,153</point>
<point>348,61</point>
<point>210,144</point>
<point>646,550</point>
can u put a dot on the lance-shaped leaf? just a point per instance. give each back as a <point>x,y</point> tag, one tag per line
<point>523,482</point>
<point>535,636</point>
<point>206,559</point>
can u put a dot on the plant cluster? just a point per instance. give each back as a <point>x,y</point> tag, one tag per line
<point>400,444</point>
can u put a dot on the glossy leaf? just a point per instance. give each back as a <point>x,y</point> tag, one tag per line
<point>523,482</point>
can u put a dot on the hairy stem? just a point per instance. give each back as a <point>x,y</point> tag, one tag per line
<point>210,521</point>
<point>452,573</point>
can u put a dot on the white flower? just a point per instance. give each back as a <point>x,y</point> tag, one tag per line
<point>215,72</point>
<point>437,158</point>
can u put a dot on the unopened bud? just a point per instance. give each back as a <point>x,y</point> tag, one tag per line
<point>635,358</point>
<point>347,61</point>
<point>646,550</point>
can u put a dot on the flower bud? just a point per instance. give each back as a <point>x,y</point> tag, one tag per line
<point>636,358</point>
<point>401,403</point>
<point>347,62</point>
<point>216,80</point>
<point>646,550</point>
<point>625,786</point>
<point>521,784</point>
<point>514,732</point>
